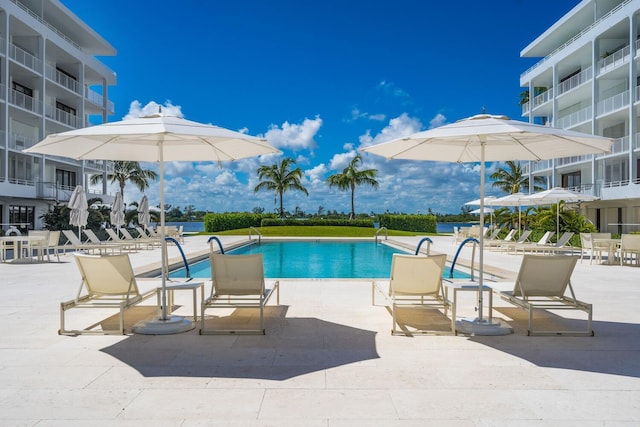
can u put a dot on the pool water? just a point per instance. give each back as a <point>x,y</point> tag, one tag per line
<point>315,260</point>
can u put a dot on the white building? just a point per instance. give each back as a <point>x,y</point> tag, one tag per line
<point>588,80</point>
<point>50,82</point>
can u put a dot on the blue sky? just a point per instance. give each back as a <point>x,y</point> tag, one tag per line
<point>320,79</point>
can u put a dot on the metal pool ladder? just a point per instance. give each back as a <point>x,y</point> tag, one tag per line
<point>473,255</point>
<point>386,233</point>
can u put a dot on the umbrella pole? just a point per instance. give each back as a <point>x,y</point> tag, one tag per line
<point>481,253</point>
<point>165,324</point>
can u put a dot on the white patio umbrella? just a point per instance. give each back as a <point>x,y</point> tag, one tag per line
<point>79,209</point>
<point>144,216</point>
<point>555,196</point>
<point>515,199</point>
<point>486,210</point>
<point>155,138</point>
<point>116,217</point>
<point>493,138</point>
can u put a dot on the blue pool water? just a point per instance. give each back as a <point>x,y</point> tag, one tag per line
<point>314,260</point>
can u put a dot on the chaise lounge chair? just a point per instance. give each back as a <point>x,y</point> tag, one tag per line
<point>75,244</point>
<point>542,282</point>
<point>416,281</point>
<point>142,239</point>
<point>497,242</point>
<point>522,239</point>
<point>108,281</point>
<point>532,246</point>
<point>238,282</point>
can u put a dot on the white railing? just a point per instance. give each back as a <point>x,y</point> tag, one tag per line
<point>21,100</point>
<point>544,97</point>
<point>63,79</point>
<point>25,58</point>
<point>564,161</point>
<point>63,117</point>
<point>20,142</point>
<point>574,81</point>
<point>95,164</point>
<point>576,37</point>
<point>525,108</point>
<point>614,103</point>
<point>97,99</point>
<point>540,165</point>
<point>574,118</point>
<point>43,22</point>
<point>614,60</point>
<point>620,145</point>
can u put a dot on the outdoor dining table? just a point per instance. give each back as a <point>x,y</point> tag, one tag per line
<point>611,245</point>
<point>21,242</point>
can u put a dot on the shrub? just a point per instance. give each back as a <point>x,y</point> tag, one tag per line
<point>272,222</point>
<point>419,223</point>
<point>214,222</point>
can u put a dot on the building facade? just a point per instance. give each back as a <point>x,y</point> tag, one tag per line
<point>588,80</point>
<point>50,82</point>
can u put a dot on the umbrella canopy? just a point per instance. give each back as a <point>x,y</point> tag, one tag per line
<point>515,199</point>
<point>117,211</point>
<point>79,208</point>
<point>487,201</point>
<point>555,196</point>
<point>155,138</point>
<point>494,138</point>
<point>144,217</point>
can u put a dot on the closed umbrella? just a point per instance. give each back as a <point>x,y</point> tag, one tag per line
<point>483,138</point>
<point>79,209</point>
<point>144,217</point>
<point>116,216</point>
<point>555,196</point>
<point>155,138</point>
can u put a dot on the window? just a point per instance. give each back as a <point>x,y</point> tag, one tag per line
<point>571,180</point>
<point>22,215</point>
<point>22,89</point>
<point>71,76</point>
<point>65,178</point>
<point>65,108</point>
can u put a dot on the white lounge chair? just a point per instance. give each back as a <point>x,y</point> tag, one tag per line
<point>542,284</point>
<point>238,282</point>
<point>532,246</point>
<point>416,281</point>
<point>125,243</point>
<point>107,281</point>
<point>73,243</point>
<point>522,239</point>
<point>142,240</point>
<point>497,242</point>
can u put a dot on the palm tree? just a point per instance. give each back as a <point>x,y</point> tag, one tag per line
<point>511,179</point>
<point>127,171</point>
<point>280,178</point>
<point>352,177</point>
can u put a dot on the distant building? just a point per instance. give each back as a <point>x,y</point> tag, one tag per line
<point>50,82</point>
<point>588,80</point>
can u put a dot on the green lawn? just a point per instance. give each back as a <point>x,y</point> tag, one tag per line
<point>317,231</point>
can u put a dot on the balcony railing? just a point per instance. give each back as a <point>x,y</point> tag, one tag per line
<point>25,58</point>
<point>620,145</point>
<point>538,166</point>
<point>544,97</point>
<point>574,81</point>
<point>63,117</point>
<point>51,27</point>
<point>576,37</point>
<point>614,60</point>
<point>63,79</point>
<point>636,141</point>
<point>20,142</point>
<point>574,118</point>
<point>564,161</point>
<point>614,103</point>
<point>97,99</point>
<point>21,100</point>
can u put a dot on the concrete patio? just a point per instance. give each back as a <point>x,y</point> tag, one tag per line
<point>328,359</point>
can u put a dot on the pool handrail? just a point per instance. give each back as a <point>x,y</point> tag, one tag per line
<point>473,253</point>
<point>386,233</point>
<point>257,232</point>
<point>429,243</point>
<point>184,258</point>
<point>211,245</point>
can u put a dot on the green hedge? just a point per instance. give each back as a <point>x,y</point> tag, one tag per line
<point>214,222</point>
<point>419,223</point>
<point>273,222</point>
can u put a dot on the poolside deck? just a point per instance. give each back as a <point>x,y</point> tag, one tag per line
<point>328,359</point>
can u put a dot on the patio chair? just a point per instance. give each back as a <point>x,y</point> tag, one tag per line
<point>497,242</point>
<point>142,239</point>
<point>73,243</point>
<point>45,246</point>
<point>542,284</point>
<point>108,282</point>
<point>630,248</point>
<point>238,282</point>
<point>38,243</point>
<point>416,281</point>
<point>522,239</point>
<point>532,246</point>
<point>549,248</point>
<point>125,243</point>
<point>587,245</point>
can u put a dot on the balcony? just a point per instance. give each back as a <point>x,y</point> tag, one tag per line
<point>21,142</point>
<point>539,166</point>
<point>96,99</point>
<point>63,80</point>
<point>25,58</point>
<point>566,161</point>
<point>613,61</point>
<point>619,146</point>
<point>575,81</point>
<point>574,119</point>
<point>26,102</point>
<point>543,98</point>
<point>63,117</point>
<point>613,103</point>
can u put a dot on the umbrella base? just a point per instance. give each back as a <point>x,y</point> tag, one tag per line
<point>475,326</point>
<point>167,326</point>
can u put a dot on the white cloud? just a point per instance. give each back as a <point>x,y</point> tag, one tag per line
<point>137,110</point>
<point>378,117</point>
<point>437,121</point>
<point>398,127</point>
<point>294,136</point>
<point>341,160</point>
<point>316,174</point>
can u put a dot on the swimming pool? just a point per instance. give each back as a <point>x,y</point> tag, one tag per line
<point>315,260</point>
